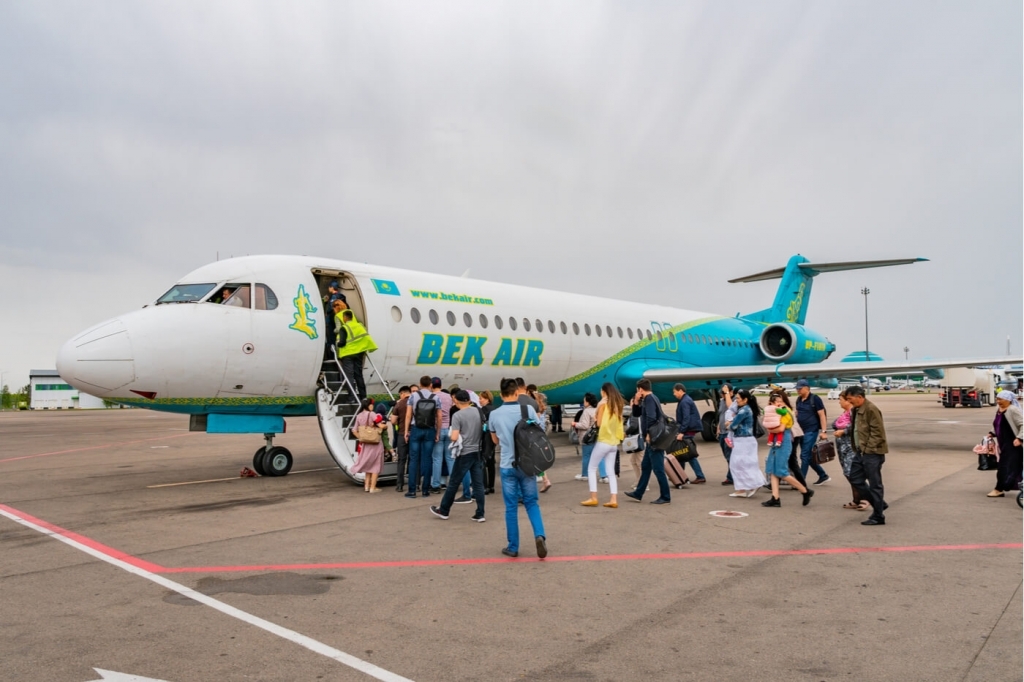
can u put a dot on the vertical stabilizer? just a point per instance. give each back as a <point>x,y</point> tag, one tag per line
<point>791,299</point>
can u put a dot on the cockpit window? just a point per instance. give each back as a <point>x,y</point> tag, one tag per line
<point>186,293</point>
<point>240,297</point>
<point>265,298</point>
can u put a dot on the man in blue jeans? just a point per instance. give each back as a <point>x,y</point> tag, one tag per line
<point>810,415</point>
<point>689,425</point>
<point>654,460</point>
<point>514,483</point>
<point>421,438</point>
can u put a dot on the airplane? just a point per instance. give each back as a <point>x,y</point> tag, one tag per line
<point>240,345</point>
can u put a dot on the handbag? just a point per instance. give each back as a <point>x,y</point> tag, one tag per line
<point>632,443</point>
<point>574,437</point>
<point>369,435</point>
<point>987,463</point>
<point>823,451</point>
<point>684,450</point>
<point>590,437</point>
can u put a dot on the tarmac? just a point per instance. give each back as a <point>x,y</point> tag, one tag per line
<point>131,545</point>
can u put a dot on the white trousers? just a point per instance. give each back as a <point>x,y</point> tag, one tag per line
<point>603,453</point>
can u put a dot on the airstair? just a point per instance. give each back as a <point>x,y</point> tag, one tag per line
<point>336,407</point>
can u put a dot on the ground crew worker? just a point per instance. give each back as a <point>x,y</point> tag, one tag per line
<point>354,342</point>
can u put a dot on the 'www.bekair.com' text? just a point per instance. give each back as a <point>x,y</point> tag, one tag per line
<point>454,298</point>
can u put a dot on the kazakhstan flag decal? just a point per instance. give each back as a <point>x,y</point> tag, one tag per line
<point>386,287</point>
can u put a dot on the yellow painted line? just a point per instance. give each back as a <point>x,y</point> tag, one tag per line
<point>233,478</point>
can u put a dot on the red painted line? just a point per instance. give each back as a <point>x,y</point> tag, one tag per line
<point>739,554</point>
<point>88,542</point>
<point>591,557</point>
<point>93,447</point>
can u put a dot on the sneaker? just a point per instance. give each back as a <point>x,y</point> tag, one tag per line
<point>773,502</point>
<point>436,511</point>
<point>697,481</point>
<point>632,495</point>
<point>411,496</point>
<point>604,480</point>
<point>807,496</point>
<point>464,500</point>
<point>426,494</point>
<point>542,547</point>
<point>580,477</point>
<point>823,480</point>
<point>437,491</point>
<point>478,518</point>
<point>509,552</point>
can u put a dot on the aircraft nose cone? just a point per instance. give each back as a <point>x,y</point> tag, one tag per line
<point>99,360</point>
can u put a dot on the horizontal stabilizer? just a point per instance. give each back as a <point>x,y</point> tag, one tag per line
<point>813,269</point>
<point>767,374</point>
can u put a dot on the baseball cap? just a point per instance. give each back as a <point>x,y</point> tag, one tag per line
<point>462,396</point>
<point>802,383</point>
<point>435,382</point>
<point>335,285</point>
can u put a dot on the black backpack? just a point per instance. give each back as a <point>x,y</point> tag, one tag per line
<point>534,453</point>
<point>424,414</point>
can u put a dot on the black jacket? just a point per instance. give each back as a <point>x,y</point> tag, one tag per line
<point>688,416</point>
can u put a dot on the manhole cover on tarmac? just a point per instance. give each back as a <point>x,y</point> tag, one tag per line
<point>725,514</point>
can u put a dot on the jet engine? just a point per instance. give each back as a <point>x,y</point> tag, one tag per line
<point>794,343</point>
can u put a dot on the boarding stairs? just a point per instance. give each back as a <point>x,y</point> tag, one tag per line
<point>336,407</point>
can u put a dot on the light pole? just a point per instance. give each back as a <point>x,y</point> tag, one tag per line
<point>906,353</point>
<point>867,355</point>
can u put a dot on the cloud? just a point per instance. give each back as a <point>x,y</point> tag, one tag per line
<point>637,151</point>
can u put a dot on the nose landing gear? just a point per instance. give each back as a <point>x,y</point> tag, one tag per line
<point>272,460</point>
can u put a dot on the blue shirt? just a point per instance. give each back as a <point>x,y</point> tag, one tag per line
<point>807,413</point>
<point>503,422</point>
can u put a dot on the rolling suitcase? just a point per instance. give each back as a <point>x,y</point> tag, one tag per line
<point>675,472</point>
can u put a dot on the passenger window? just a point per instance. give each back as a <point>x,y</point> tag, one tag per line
<point>597,328</point>
<point>575,329</point>
<point>451,318</point>
<point>265,298</point>
<point>586,328</point>
<point>483,320</point>
<point>468,319</point>
<point>609,330</point>
<point>540,326</point>
<point>433,316</point>
<point>629,331</point>
<point>565,330</point>
<point>526,324</point>
<point>619,329</point>
<point>640,334</point>
<point>497,322</point>
<point>396,313</point>
<point>512,324</point>
<point>551,326</point>
<point>415,315</point>
<point>648,334</point>
<point>240,298</point>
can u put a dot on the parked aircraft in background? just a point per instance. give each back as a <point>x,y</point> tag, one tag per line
<point>239,345</point>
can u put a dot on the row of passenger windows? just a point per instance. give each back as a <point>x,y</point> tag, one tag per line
<point>539,325</point>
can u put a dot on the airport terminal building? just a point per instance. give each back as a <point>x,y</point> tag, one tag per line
<point>49,392</point>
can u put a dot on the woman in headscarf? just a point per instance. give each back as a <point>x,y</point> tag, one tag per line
<point>1007,427</point>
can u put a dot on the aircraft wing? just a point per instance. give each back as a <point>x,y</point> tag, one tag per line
<point>767,374</point>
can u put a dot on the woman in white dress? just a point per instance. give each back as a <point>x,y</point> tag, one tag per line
<point>743,464</point>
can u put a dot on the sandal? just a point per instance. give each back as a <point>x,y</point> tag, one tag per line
<point>864,506</point>
<point>851,505</point>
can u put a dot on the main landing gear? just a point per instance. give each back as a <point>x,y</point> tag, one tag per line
<point>272,460</point>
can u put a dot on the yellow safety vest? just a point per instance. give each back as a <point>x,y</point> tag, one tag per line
<point>357,339</point>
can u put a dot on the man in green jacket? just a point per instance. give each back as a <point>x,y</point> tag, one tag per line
<point>870,448</point>
<point>354,342</point>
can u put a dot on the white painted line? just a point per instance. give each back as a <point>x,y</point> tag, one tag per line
<point>233,478</point>
<point>113,676</point>
<point>313,645</point>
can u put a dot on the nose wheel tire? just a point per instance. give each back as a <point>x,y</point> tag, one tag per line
<point>277,461</point>
<point>257,461</point>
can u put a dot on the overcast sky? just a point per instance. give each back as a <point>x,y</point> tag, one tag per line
<point>642,150</point>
